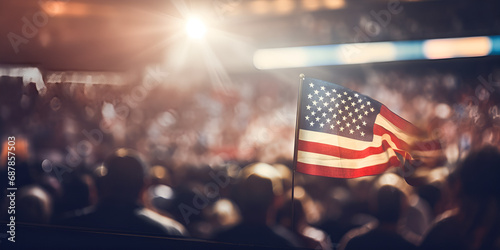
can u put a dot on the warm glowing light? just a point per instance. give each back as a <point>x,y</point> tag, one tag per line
<point>442,110</point>
<point>334,4</point>
<point>457,47</point>
<point>368,52</point>
<point>158,172</point>
<point>284,6</point>
<point>101,171</point>
<point>195,28</point>
<point>311,5</point>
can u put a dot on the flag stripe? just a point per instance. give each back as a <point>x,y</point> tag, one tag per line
<point>399,122</point>
<point>334,150</point>
<point>344,142</point>
<point>385,123</point>
<point>386,120</point>
<point>340,172</point>
<point>339,162</point>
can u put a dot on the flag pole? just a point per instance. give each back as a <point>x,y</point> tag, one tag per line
<point>297,119</point>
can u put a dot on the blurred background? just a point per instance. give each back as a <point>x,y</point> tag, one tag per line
<point>200,86</point>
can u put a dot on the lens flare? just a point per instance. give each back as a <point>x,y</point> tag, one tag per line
<point>195,28</point>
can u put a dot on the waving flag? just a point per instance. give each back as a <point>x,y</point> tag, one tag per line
<point>344,134</point>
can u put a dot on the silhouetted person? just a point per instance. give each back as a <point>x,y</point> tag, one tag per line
<point>256,194</point>
<point>119,210</point>
<point>475,224</point>
<point>304,234</point>
<point>384,233</point>
<point>34,205</point>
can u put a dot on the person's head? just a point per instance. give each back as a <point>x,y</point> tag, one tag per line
<point>34,205</point>
<point>258,186</point>
<point>431,194</point>
<point>389,204</point>
<point>479,173</point>
<point>122,176</point>
<point>284,216</point>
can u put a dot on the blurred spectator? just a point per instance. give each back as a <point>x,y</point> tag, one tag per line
<point>34,205</point>
<point>120,185</point>
<point>382,234</point>
<point>257,195</point>
<point>476,222</point>
<point>304,234</point>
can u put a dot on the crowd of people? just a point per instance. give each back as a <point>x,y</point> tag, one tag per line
<point>216,165</point>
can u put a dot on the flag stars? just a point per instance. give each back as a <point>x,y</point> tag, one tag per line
<point>360,101</point>
<point>337,105</point>
<point>339,95</point>
<point>311,85</point>
<point>334,116</point>
<point>322,88</point>
<point>372,109</point>
<point>341,128</point>
<point>354,120</point>
<point>356,95</point>
<point>349,98</point>
<point>351,131</point>
<point>330,110</point>
<point>345,93</point>
<point>366,112</point>
<point>348,125</point>
<point>358,127</point>
<point>318,108</point>
<point>356,110</point>
<point>308,107</point>
<point>334,91</point>
<point>309,96</point>
<point>325,104</point>
<point>350,114</point>
<point>317,119</point>
<point>362,133</point>
<point>311,123</point>
<point>316,92</point>
<point>327,93</point>
<point>332,99</point>
<point>338,122</point>
<point>313,113</point>
<point>315,103</point>
<point>346,107</point>
<point>343,101</point>
<point>328,120</point>
<point>362,106</point>
<point>321,98</point>
<point>353,104</point>
<point>360,116</point>
<point>340,111</point>
<point>368,103</point>
<point>307,118</point>
<point>344,118</point>
<point>321,125</point>
<point>364,123</point>
<point>323,115</point>
<point>332,126</point>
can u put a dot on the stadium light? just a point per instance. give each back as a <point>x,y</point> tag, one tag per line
<point>195,28</point>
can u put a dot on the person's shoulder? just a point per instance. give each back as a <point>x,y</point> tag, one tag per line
<point>170,226</point>
<point>443,232</point>
<point>350,236</point>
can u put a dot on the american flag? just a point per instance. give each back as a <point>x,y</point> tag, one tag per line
<point>344,134</point>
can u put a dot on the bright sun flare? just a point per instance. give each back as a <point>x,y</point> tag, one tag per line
<point>195,28</point>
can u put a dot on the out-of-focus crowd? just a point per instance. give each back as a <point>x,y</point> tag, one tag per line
<point>201,174</point>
